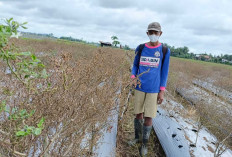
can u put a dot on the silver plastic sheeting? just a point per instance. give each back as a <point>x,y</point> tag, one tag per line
<point>107,143</point>
<point>170,135</point>
<point>216,90</point>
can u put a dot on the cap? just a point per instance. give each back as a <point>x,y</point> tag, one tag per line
<point>154,26</point>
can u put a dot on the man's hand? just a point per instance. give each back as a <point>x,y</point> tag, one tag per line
<point>133,81</point>
<point>160,97</point>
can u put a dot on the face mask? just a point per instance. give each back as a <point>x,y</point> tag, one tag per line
<point>153,38</point>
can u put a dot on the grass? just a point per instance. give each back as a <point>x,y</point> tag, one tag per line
<point>204,63</point>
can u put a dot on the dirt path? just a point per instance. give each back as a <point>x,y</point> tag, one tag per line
<point>126,133</point>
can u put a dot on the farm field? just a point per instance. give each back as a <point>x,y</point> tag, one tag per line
<point>83,82</point>
<point>67,89</point>
<point>203,92</point>
<point>206,86</point>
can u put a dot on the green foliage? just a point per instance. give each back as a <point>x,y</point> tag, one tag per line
<point>71,39</point>
<point>8,30</point>
<point>115,40</point>
<point>20,114</point>
<point>78,40</point>
<point>28,130</point>
<point>126,47</point>
<point>3,106</point>
<point>183,52</point>
<point>26,67</point>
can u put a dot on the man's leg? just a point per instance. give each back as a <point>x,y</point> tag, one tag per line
<point>138,121</point>
<point>150,109</point>
<point>138,128</point>
<point>146,134</point>
<point>139,116</point>
<point>148,121</point>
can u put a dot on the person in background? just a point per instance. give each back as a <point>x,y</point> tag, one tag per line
<point>149,76</point>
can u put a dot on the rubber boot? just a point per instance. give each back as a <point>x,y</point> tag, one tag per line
<point>146,135</point>
<point>138,127</point>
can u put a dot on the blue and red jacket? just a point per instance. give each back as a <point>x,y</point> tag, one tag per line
<point>152,73</point>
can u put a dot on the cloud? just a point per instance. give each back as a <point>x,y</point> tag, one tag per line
<point>202,25</point>
<point>113,4</point>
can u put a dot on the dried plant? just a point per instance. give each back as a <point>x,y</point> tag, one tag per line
<point>71,105</point>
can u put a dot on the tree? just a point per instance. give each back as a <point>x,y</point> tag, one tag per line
<point>51,35</point>
<point>126,47</point>
<point>185,50</point>
<point>115,40</point>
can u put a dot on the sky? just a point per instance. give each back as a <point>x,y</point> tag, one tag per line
<point>201,25</point>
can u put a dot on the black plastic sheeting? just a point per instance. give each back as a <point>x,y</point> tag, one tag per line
<point>170,135</point>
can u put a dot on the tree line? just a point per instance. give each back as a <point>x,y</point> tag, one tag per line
<point>183,52</point>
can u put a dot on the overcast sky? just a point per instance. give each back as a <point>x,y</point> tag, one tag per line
<point>201,25</point>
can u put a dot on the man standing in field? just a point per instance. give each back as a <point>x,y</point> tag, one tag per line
<point>149,74</point>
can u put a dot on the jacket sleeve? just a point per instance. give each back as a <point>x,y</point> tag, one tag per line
<point>135,67</point>
<point>164,70</point>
